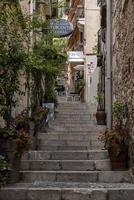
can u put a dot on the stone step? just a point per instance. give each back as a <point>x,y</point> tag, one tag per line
<point>49,191</point>
<point>72,126</point>
<point>81,165</point>
<point>73,111</point>
<point>63,136</point>
<point>73,129</point>
<point>75,176</point>
<point>91,129</point>
<point>74,118</point>
<point>74,122</point>
<point>69,147</point>
<point>68,142</point>
<point>66,155</point>
<point>70,191</point>
<point>74,107</point>
<point>80,115</point>
<point>67,132</point>
<point>71,123</point>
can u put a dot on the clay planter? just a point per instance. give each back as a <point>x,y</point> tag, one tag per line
<point>33,135</point>
<point>119,162</point>
<point>101,117</point>
<point>8,148</point>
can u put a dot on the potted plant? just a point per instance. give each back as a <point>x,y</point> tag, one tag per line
<point>80,88</point>
<point>100,113</point>
<point>13,145</point>
<point>22,122</point>
<point>39,117</point>
<point>4,170</point>
<point>23,142</point>
<point>117,139</point>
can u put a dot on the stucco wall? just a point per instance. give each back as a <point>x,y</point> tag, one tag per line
<point>92,25</point>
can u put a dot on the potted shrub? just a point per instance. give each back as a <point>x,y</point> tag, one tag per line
<point>22,122</point>
<point>100,113</point>
<point>7,136</point>
<point>13,145</point>
<point>80,88</point>
<point>4,170</point>
<point>39,117</point>
<point>117,139</point>
<point>23,142</point>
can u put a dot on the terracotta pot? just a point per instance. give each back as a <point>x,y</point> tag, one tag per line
<point>8,149</point>
<point>119,162</point>
<point>101,117</point>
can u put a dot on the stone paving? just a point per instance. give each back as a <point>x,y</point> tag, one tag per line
<point>70,163</point>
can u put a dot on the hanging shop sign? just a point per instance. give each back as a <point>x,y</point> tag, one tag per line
<point>91,63</point>
<point>75,56</point>
<point>61,27</point>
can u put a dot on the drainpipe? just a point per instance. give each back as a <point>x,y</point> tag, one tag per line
<point>109,64</point>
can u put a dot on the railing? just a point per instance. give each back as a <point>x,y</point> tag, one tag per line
<point>101,2</point>
<point>99,42</point>
<point>80,13</point>
<point>101,38</point>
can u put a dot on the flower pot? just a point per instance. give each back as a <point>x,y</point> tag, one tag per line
<point>14,175</point>
<point>101,117</point>
<point>119,162</point>
<point>33,134</point>
<point>8,149</point>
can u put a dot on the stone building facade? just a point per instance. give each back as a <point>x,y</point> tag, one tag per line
<point>123,55</point>
<point>123,60</point>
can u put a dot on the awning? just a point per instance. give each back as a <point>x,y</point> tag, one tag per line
<point>79,67</point>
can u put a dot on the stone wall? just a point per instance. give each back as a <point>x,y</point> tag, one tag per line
<point>123,57</point>
<point>123,54</point>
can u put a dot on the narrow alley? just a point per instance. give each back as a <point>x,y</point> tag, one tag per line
<point>66,99</point>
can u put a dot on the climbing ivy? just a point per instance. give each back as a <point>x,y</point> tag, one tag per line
<point>12,57</point>
<point>40,62</point>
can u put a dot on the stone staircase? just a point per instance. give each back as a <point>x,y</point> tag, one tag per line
<point>70,163</point>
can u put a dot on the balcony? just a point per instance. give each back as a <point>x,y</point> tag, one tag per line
<point>80,12</point>
<point>101,3</point>
<point>101,47</point>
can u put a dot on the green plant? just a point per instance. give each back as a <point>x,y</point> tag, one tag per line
<point>22,122</point>
<point>20,137</point>
<point>115,138</point>
<point>80,85</point>
<point>4,170</point>
<point>23,142</point>
<point>118,137</point>
<point>100,99</point>
<point>39,116</point>
<point>12,57</point>
<point>120,111</point>
<point>6,133</point>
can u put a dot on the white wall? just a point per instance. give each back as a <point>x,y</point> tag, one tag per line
<point>91,77</point>
<point>92,25</point>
